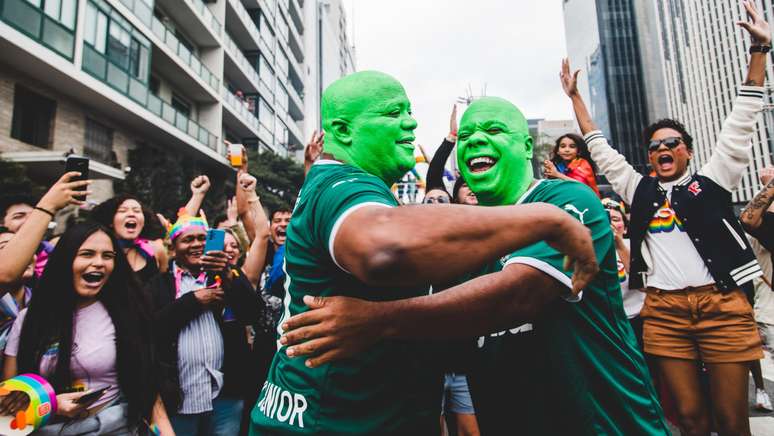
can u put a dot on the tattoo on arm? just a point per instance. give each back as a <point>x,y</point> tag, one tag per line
<point>762,201</point>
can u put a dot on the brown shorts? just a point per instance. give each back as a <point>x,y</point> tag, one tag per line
<point>700,324</point>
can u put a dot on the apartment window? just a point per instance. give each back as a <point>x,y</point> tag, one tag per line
<point>265,73</point>
<point>98,141</point>
<point>154,85</point>
<point>96,28</point>
<point>181,105</point>
<point>33,117</point>
<point>62,11</point>
<point>118,45</point>
<point>266,115</point>
<point>282,62</point>
<point>138,60</point>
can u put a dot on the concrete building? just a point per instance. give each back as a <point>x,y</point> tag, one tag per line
<point>704,58</point>
<point>544,134</point>
<point>103,77</point>
<point>607,40</point>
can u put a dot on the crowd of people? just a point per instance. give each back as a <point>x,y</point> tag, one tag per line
<point>563,310</point>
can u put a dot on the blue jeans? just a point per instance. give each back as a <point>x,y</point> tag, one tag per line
<point>222,420</point>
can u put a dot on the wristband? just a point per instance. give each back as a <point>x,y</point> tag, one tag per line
<point>760,48</point>
<point>46,211</point>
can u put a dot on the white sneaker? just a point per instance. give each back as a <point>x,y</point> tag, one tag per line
<point>762,400</point>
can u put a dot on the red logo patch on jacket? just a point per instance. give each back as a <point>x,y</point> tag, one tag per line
<point>694,188</point>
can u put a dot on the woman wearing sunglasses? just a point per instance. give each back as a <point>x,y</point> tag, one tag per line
<point>689,252</point>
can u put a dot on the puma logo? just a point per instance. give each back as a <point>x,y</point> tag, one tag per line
<point>572,209</point>
<point>343,181</point>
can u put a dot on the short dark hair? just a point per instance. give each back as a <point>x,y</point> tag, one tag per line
<point>281,209</point>
<point>6,201</point>
<point>667,123</point>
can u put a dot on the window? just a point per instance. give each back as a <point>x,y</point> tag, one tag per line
<point>265,73</point>
<point>266,115</point>
<point>138,60</point>
<point>61,11</point>
<point>154,85</point>
<point>96,28</point>
<point>98,142</point>
<point>33,116</point>
<point>118,45</point>
<point>181,105</point>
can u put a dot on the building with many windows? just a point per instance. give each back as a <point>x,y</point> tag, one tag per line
<point>704,58</point>
<point>104,77</point>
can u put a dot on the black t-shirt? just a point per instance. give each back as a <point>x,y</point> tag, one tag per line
<point>765,235</point>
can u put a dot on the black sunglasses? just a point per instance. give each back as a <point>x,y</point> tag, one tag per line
<point>669,142</point>
<point>432,200</point>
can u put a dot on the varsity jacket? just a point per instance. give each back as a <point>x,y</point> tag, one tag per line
<point>702,200</point>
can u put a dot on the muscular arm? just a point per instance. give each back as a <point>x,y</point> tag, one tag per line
<point>338,327</point>
<point>381,246</point>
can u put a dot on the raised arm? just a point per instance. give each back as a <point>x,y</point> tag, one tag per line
<point>731,156</point>
<point>313,150</point>
<point>752,215</point>
<point>438,162</point>
<point>199,187</point>
<point>372,242</point>
<point>256,257</point>
<point>621,175</point>
<point>18,252</point>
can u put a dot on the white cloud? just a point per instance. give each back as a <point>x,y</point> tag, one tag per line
<point>438,49</point>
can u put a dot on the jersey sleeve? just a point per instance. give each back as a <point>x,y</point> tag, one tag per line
<point>579,201</point>
<point>343,197</point>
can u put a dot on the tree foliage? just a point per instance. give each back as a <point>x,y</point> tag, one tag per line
<point>279,178</point>
<point>14,180</point>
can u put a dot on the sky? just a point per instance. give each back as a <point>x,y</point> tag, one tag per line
<point>438,49</point>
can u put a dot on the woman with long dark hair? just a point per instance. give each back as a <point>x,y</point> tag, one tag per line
<point>88,327</point>
<point>571,160</point>
<point>138,237</point>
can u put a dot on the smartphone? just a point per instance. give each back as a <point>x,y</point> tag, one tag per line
<point>80,164</point>
<point>236,154</point>
<point>92,396</point>
<point>216,240</point>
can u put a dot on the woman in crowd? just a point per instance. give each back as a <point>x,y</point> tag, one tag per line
<point>461,193</point>
<point>571,160</point>
<point>131,222</point>
<point>88,327</point>
<point>15,296</point>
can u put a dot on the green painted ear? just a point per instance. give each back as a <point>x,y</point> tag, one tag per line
<point>341,131</point>
<point>528,147</point>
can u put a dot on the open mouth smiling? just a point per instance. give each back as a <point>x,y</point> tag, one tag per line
<point>665,162</point>
<point>481,164</point>
<point>93,277</point>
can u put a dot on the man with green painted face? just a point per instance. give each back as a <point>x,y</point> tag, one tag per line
<point>348,238</point>
<point>574,369</point>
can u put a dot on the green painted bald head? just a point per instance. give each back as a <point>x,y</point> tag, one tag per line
<point>367,121</point>
<point>494,151</point>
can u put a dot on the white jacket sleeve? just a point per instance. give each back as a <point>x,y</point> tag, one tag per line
<point>622,176</point>
<point>732,152</point>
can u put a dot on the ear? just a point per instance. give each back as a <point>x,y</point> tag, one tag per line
<point>528,148</point>
<point>341,131</point>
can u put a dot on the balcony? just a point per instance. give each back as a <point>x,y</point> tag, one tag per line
<point>246,33</point>
<point>31,21</point>
<point>294,10</point>
<point>196,19</point>
<point>183,54</point>
<point>251,81</point>
<point>99,67</point>
<point>295,135</point>
<point>239,117</point>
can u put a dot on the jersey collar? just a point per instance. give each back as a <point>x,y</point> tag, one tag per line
<point>529,191</point>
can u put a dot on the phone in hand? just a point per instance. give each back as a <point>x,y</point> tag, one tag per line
<point>81,165</point>
<point>92,396</point>
<point>216,240</point>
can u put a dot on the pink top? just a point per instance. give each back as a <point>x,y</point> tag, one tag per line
<point>93,361</point>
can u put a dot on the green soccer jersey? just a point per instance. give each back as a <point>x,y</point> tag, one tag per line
<point>393,387</point>
<point>576,369</point>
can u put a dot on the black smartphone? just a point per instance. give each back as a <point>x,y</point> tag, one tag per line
<point>93,396</point>
<point>80,164</point>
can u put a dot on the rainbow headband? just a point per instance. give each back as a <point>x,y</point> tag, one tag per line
<point>42,404</point>
<point>184,223</point>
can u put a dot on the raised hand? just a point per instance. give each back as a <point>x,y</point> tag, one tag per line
<point>314,148</point>
<point>200,185</point>
<point>569,80</point>
<point>231,212</point>
<point>453,125</point>
<point>766,175</point>
<point>756,25</point>
<point>549,170</point>
<point>63,192</point>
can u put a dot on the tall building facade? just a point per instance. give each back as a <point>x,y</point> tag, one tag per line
<point>103,77</point>
<point>605,40</point>
<point>704,58</point>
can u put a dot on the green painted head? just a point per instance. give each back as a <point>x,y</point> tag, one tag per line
<point>367,121</point>
<point>494,151</point>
